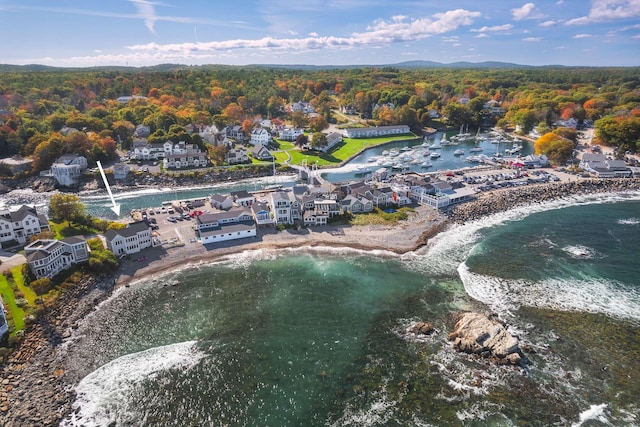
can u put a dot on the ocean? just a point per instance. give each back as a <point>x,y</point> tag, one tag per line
<point>317,336</point>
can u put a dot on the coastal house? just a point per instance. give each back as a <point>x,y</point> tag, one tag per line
<point>290,134</point>
<point>142,150</point>
<point>603,167</point>
<point>243,198</point>
<point>185,160</point>
<point>222,226</point>
<point>281,207</point>
<point>372,132</point>
<point>235,132</point>
<point>120,171</point>
<point>356,204</point>
<point>46,258</point>
<point>235,156</point>
<point>260,136</point>
<point>333,139</point>
<point>16,227</point>
<point>314,218</point>
<point>221,201</point>
<point>261,152</point>
<point>130,240</point>
<point>262,214</point>
<point>67,169</point>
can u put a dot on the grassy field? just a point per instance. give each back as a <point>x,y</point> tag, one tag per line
<point>16,313</point>
<point>349,147</point>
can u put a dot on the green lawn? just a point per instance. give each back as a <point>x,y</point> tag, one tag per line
<point>63,230</point>
<point>347,149</point>
<point>9,301</point>
<point>18,278</point>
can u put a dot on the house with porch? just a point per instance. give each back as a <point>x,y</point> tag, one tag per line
<point>260,136</point>
<point>262,214</point>
<point>46,258</point>
<point>67,169</point>
<point>129,240</point>
<point>16,227</point>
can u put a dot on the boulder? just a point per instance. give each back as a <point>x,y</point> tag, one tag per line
<point>421,328</point>
<point>478,334</point>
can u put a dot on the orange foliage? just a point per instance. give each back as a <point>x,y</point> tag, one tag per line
<point>568,111</point>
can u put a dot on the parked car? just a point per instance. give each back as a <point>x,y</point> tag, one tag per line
<point>172,219</point>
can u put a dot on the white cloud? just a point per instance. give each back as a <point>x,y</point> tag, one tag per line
<point>527,11</point>
<point>636,37</point>
<point>504,27</point>
<point>609,10</point>
<point>381,33</point>
<point>147,11</point>
<point>482,36</point>
<point>531,39</point>
<point>582,36</point>
<point>548,23</point>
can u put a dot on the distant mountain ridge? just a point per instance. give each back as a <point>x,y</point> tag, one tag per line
<point>172,67</point>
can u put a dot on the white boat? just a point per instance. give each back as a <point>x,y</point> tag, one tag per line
<point>426,164</point>
<point>372,159</point>
<point>385,152</point>
<point>476,149</point>
<point>434,155</point>
<point>458,152</point>
<point>394,152</point>
<point>405,149</point>
<point>473,159</point>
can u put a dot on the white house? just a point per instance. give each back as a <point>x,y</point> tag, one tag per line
<point>142,150</point>
<point>261,152</point>
<point>130,240</point>
<point>120,171</point>
<point>49,257</point>
<point>221,201</point>
<point>236,155</point>
<point>370,132</point>
<point>281,207</point>
<point>333,139</point>
<point>260,136</point>
<point>67,169</point>
<point>221,226</point>
<point>243,198</point>
<point>16,227</point>
<point>262,214</point>
<point>290,134</point>
<point>304,107</point>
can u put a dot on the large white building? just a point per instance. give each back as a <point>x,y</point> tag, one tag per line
<point>18,226</point>
<point>67,169</point>
<point>236,223</point>
<point>130,240</point>
<point>371,132</point>
<point>49,257</point>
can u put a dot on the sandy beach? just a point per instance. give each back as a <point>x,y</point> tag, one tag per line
<point>35,389</point>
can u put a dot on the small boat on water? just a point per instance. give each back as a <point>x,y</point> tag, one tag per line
<point>405,149</point>
<point>426,164</point>
<point>436,145</point>
<point>434,155</point>
<point>394,152</point>
<point>476,149</point>
<point>458,152</point>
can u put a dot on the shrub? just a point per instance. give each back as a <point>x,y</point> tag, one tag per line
<point>41,286</point>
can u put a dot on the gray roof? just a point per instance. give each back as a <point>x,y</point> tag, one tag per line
<point>229,228</point>
<point>131,230</point>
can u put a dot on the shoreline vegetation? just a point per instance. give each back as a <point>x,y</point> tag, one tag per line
<point>37,390</point>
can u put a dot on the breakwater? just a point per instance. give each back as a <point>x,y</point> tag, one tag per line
<point>505,199</point>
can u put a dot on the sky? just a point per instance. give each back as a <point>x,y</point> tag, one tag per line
<point>84,33</point>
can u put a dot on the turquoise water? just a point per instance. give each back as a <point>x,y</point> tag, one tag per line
<point>293,338</point>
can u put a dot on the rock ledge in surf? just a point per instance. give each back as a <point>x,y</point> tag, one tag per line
<point>478,334</point>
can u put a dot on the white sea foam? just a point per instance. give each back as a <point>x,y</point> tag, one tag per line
<point>103,395</point>
<point>629,221</point>
<point>590,295</point>
<point>580,251</point>
<point>595,412</point>
<point>378,413</point>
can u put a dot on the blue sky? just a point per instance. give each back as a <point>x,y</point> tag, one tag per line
<point>320,32</point>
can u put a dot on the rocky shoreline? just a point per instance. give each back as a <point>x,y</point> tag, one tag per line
<point>34,389</point>
<point>502,200</point>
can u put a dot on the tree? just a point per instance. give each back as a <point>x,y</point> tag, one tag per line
<point>555,147</point>
<point>319,140</point>
<point>123,132</point>
<point>66,207</point>
<point>457,114</point>
<point>302,140</point>
<point>318,124</point>
<point>299,120</point>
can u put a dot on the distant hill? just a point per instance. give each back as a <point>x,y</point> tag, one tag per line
<point>172,67</point>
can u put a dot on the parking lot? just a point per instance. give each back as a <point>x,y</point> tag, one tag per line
<point>169,226</point>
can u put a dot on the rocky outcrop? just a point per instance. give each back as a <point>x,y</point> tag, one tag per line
<point>508,198</point>
<point>478,334</point>
<point>421,328</point>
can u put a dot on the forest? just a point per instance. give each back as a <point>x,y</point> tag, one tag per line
<point>37,107</point>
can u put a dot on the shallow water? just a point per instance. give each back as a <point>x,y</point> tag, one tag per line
<point>288,338</point>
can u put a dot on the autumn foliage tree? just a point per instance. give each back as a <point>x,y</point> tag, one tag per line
<point>555,147</point>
